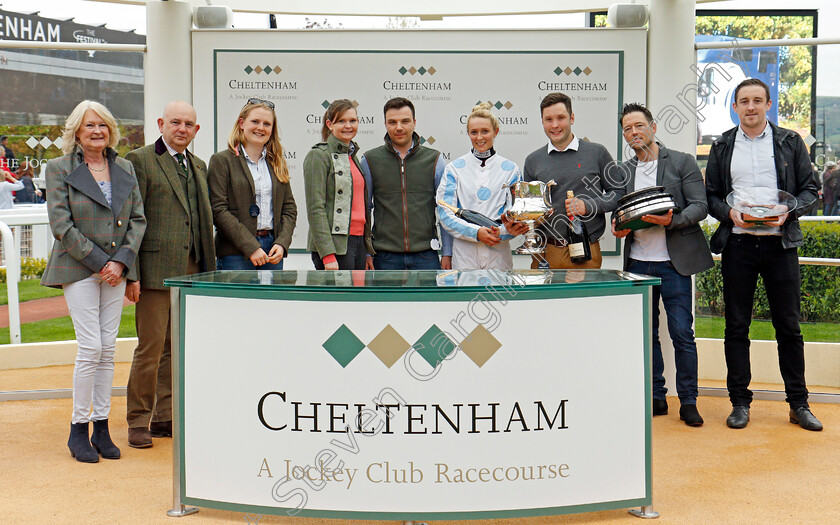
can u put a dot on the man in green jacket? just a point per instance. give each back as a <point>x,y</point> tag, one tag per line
<point>403,177</point>
<point>178,241</point>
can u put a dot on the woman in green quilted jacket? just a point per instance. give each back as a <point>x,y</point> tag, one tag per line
<point>337,202</point>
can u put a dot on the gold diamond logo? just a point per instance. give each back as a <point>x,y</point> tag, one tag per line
<point>587,70</point>
<point>568,70</point>
<point>480,345</point>
<point>389,346</point>
<point>258,69</point>
<point>354,104</point>
<point>508,105</point>
<point>413,70</point>
<point>432,70</point>
<point>430,140</point>
<point>277,70</point>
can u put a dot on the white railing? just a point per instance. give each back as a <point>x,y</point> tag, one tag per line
<point>807,261</point>
<point>20,216</point>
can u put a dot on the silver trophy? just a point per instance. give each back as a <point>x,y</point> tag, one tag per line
<point>531,200</point>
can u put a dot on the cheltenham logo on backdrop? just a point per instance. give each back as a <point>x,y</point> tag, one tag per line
<point>263,69</point>
<point>498,104</point>
<point>568,71</point>
<point>433,346</point>
<point>414,70</point>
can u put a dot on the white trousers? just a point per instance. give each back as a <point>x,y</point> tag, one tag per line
<point>472,255</point>
<point>96,308</point>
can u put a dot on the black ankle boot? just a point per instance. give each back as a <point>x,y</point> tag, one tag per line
<point>101,440</point>
<point>79,444</point>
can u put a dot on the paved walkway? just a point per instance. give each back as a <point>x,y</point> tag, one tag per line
<point>40,309</point>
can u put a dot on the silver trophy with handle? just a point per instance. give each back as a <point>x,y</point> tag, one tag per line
<point>531,201</point>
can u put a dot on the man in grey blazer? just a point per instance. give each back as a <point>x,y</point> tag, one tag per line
<point>673,249</point>
<point>179,241</point>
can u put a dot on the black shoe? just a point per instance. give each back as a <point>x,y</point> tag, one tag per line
<point>739,417</point>
<point>101,440</point>
<point>79,444</point>
<point>161,429</point>
<point>804,418</point>
<point>691,416</point>
<point>660,407</point>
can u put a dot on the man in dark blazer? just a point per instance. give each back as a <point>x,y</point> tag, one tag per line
<point>758,155</point>
<point>673,249</point>
<point>178,241</point>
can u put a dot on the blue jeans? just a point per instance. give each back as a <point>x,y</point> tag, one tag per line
<point>427,260</point>
<point>239,262</point>
<point>675,291</point>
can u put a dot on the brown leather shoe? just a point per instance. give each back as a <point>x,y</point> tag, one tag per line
<point>139,437</point>
<point>161,429</point>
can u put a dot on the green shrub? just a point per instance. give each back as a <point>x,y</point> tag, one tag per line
<point>30,268</point>
<point>820,284</point>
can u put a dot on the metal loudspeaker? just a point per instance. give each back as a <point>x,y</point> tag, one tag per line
<point>213,17</point>
<point>627,15</point>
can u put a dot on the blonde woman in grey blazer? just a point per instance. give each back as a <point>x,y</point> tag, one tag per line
<point>96,217</point>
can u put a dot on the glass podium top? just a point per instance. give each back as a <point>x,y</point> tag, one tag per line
<point>418,280</point>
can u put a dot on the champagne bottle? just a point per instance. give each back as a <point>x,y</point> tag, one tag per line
<point>471,216</point>
<point>579,249</point>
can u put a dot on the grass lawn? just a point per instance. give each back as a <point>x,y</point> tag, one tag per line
<point>29,289</point>
<point>61,329</point>
<point>712,327</point>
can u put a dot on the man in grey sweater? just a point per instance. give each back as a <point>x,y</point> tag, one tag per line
<point>574,165</point>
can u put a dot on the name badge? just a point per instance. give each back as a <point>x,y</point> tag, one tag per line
<point>254,210</point>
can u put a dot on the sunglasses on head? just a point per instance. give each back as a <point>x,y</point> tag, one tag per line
<point>268,103</point>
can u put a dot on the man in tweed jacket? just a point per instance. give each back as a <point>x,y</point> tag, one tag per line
<point>178,241</point>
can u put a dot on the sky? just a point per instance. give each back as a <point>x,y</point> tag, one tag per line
<point>120,16</point>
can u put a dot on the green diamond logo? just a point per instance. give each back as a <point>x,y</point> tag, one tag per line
<point>577,71</point>
<point>422,70</point>
<point>343,345</point>
<point>498,105</point>
<point>557,71</point>
<point>326,104</point>
<point>248,69</point>
<point>267,70</point>
<point>434,346</point>
<point>402,70</point>
<point>422,140</point>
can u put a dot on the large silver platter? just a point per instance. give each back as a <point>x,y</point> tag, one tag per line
<point>648,201</point>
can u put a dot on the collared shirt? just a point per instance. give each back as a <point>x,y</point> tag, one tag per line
<point>400,154</point>
<point>573,145</point>
<point>172,151</point>
<point>753,169</point>
<point>262,188</point>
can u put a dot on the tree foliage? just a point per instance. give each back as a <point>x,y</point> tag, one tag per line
<point>794,61</point>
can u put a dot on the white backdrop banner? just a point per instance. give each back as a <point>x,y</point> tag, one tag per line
<point>444,73</point>
<point>427,407</point>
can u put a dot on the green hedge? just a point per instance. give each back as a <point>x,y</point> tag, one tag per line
<point>820,284</point>
<point>30,268</point>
